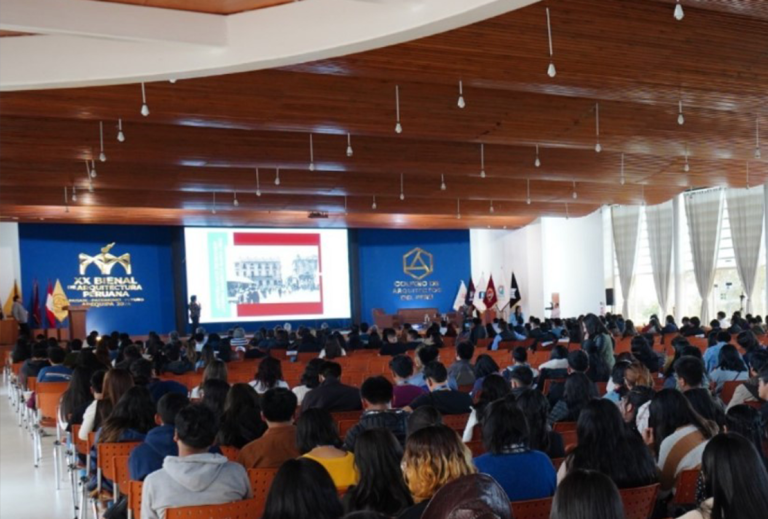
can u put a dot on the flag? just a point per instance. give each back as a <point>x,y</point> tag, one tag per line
<point>50,317</point>
<point>8,306</point>
<point>37,321</point>
<point>479,293</point>
<point>58,302</point>
<point>460,297</point>
<point>514,292</point>
<point>490,299</point>
<point>470,297</point>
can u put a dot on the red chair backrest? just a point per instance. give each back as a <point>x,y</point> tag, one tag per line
<point>121,474</point>
<point>261,481</point>
<point>107,452</point>
<point>729,388</point>
<point>685,486</point>
<point>134,498</point>
<point>556,462</point>
<point>639,502</point>
<point>47,399</point>
<point>346,415</point>
<point>80,446</point>
<point>533,509</point>
<point>570,440</point>
<point>230,452</point>
<point>477,448</point>
<point>564,426</point>
<point>548,383</point>
<point>345,426</point>
<point>246,509</point>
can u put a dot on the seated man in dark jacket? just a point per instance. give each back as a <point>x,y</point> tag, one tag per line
<point>331,394</point>
<point>377,393</point>
<point>441,396</point>
<point>159,443</point>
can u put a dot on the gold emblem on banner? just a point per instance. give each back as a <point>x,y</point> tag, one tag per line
<point>418,263</point>
<point>105,261</point>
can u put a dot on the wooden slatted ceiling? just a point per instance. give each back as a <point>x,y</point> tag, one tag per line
<point>205,6</point>
<point>207,135</point>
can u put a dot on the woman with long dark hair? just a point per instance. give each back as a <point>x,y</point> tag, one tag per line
<point>381,487</point>
<point>310,379</point>
<point>735,480</point>
<point>673,424</point>
<point>269,375</point>
<point>302,488</point>
<point>541,437</point>
<point>77,395</point>
<point>599,346</point>
<point>643,352</point>
<point>730,367</point>
<point>214,370</point>
<point>131,419</point>
<point>587,494</point>
<point>494,387</point>
<point>746,421</point>
<point>484,366</point>
<point>116,383</point>
<point>241,422</point>
<point>634,406</point>
<point>317,438</point>
<point>748,341</point>
<point>214,394</point>
<point>579,390</point>
<point>607,445</point>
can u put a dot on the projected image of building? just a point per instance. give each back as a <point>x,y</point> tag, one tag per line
<point>305,273</point>
<point>264,272</point>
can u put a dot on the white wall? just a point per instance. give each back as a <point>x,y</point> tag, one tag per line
<point>550,255</point>
<point>10,263</point>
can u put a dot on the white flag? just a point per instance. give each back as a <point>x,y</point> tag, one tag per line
<point>460,297</point>
<point>480,287</point>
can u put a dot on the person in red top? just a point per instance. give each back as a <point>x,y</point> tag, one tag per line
<point>402,370</point>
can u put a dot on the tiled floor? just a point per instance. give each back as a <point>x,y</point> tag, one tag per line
<point>27,492</point>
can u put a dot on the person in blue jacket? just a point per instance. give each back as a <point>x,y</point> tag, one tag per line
<point>159,443</point>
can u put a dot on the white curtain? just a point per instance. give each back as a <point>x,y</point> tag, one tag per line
<point>704,211</point>
<point>660,220</point>
<point>745,211</point>
<point>626,227</point>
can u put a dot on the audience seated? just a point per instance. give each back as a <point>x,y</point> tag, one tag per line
<point>577,362</point>
<point>494,388</point>
<point>195,476</point>
<point>34,364</point>
<point>144,375</point>
<point>434,456</point>
<point>634,407</point>
<point>523,473</point>
<point>730,368</point>
<point>579,390</point>
<point>278,443</point>
<point>587,494</point>
<point>599,346</point>
<point>484,366</point>
<point>215,396</point>
<point>268,376</point>
<point>317,438</point>
<point>441,396</point>
<point>116,383</point>
<point>461,370</point>
<point>540,436</point>
<point>748,391</point>
<point>392,346</point>
<point>381,487</point>
<point>376,394</point>
<point>241,422</point>
<point>690,380</point>
<point>302,488</point>
<point>76,398</point>
<point>475,496</point>
<point>746,421</point>
<point>159,441</point>
<point>331,395</point>
<point>425,416</point>
<point>214,370</point>
<point>310,379</point>
<point>519,360</point>
<point>56,371</point>
<point>402,371</point>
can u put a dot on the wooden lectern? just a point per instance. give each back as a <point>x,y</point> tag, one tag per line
<point>77,328</point>
<point>9,331</point>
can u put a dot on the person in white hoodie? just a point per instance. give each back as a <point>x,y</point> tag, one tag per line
<point>195,477</point>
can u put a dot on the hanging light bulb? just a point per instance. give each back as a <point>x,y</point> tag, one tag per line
<point>311,154</point>
<point>574,195</point>
<point>528,191</point>
<point>93,168</point>
<point>277,176</point>
<point>90,186</point>
<point>213,208</point>
<point>373,205</point>
<point>622,180</point>
<point>144,107</point>
<point>458,209</point>
<point>598,148</point>
<point>74,194</point>
<point>461,102</point>
<point>398,127</point>
<point>680,118</point>
<point>234,201</point>
<point>443,187</point>
<point>537,162</point>
<point>686,166</point>
<point>482,160</point>
<point>402,192</point>
<point>66,200</point>
<point>349,145</point>
<point>102,155</point>
<point>679,14</point>
<point>258,184</point>
<point>757,138</point>
<point>490,209</point>
<point>551,72</point>
<point>120,134</point>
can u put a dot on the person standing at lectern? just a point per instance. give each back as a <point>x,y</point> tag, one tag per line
<point>21,315</point>
<point>194,312</point>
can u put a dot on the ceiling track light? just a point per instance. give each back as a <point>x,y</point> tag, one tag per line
<point>482,160</point>
<point>398,126</point>
<point>102,155</point>
<point>234,200</point>
<point>350,152</point>
<point>88,174</point>
<point>144,107</point>
<point>402,191</point>
<point>311,154</point>
<point>574,195</point>
<point>622,180</point>
<point>460,102</point>
<point>74,194</point>
<point>458,209</point>
<point>213,207</point>
<point>551,71</point>
<point>258,184</point>
<point>686,166</point>
<point>537,162</point>
<point>680,117</point>
<point>491,209</point>
<point>528,191</point>
<point>120,134</point>
<point>277,176</point>
<point>66,200</point>
<point>93,168</point>
<point>757,137</point>
<point>598,148</point>
<point>443,187</point>
<point>679,14</point>
<point>373,205</point>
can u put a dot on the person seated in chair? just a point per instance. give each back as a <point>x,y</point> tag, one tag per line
<point>402,371</point>
<point>441,396</point>
<point>159,442</point>
<point>377,394</point>
<point>331,394</point>
<point>195,477</point>
<point>392,346</point>
<point>57,371</point>
<point>462,370</point>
